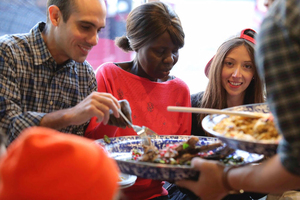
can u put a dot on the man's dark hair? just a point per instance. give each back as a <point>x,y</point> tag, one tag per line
<point>66,7</point>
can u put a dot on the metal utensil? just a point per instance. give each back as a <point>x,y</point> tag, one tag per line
<point>216,111</point>
<point>143,131</point>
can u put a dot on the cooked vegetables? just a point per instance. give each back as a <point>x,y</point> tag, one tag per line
<point>182,153</point>
<point>106,139</point>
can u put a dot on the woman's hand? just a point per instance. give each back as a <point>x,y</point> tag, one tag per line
<point>120,122</point>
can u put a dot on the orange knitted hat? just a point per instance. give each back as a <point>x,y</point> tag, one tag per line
<point>45,164</point>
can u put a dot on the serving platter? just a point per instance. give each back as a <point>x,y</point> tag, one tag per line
<point>259,147</point>
<point>120,148</point>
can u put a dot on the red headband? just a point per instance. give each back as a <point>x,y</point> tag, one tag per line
<point>243,36</point>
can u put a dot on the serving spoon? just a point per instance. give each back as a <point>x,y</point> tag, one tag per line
<point>143,131</point>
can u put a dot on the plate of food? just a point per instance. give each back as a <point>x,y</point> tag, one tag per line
<point>168,157</point>
<point>126,180</point>
<point>254,135</point>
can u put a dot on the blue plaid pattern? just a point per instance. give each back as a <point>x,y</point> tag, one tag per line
<point>31,86</point>
<point>278,56</point>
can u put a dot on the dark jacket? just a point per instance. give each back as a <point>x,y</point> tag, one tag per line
<point>197,129</point>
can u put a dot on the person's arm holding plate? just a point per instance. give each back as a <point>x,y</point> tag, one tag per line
<point>255,178</point>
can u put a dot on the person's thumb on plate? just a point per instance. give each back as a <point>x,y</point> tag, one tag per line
<point>190,184</point>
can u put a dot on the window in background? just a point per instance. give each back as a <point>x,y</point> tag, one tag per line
<point>106,50</point>
<point>19,16</point>
<point>207,23</point>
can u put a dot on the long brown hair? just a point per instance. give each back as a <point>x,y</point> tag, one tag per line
<point>215,95</point>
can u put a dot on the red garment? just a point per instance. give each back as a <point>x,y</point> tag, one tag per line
<point>148,101</point>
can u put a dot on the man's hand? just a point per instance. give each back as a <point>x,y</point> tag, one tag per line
<point>120,122</point>
<point>96,104</point>
<point>101,105</point>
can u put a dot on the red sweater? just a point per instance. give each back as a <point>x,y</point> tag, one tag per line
<point>148,101</point>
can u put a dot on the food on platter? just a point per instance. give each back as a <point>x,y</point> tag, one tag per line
<point>251,129</point>
<point>121,148</point>
<point>106,139</point>
<point>183,152</point>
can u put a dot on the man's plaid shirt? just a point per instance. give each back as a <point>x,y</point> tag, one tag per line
<point>278,56</point>
<point>31,84</point>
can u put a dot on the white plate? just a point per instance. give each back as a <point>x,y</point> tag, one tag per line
<point>127,180</point>
<point>126,186</point>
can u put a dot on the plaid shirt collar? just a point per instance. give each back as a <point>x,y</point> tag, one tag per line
<point>42,54</point>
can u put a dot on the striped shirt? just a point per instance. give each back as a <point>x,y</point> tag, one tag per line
<point>278,58</point>
<point>32,84</point>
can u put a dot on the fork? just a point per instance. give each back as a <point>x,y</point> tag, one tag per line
<point>141,131</point>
